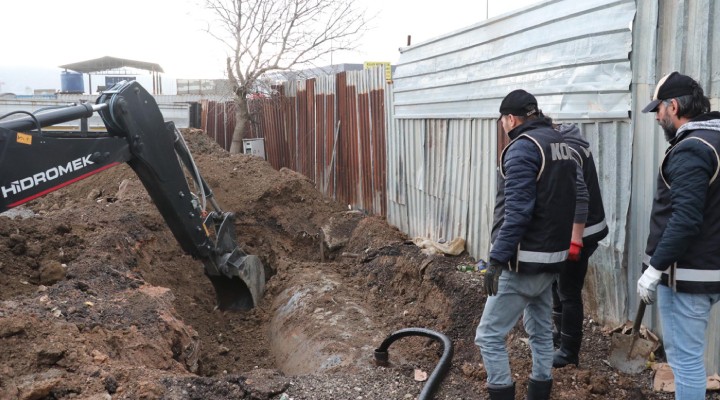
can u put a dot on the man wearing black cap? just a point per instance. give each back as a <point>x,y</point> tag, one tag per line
<point>682,262</point>
<point>531,235</point>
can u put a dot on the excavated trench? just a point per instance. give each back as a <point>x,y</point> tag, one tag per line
<point>95,261</point>
<point>316,317</point>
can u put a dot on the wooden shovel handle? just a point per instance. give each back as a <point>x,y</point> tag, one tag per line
<point>636,327</point>
<point>638,318</point>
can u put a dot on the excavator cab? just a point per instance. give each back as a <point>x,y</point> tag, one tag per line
<point>34,162</point>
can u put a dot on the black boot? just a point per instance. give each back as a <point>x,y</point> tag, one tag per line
<point>569,351</point>
<point>502,392</point>
<point>557,323</point>
<point>539,390</point>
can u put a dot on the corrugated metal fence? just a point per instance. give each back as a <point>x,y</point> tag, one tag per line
<point>573,56</point>
<point>331,129</point>
<point>217,119</point>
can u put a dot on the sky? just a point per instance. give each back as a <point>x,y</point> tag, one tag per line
<point>40,35</point>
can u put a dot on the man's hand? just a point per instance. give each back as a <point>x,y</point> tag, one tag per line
<point>575,250</point>
<point>647,284</point>
<point>492,277</point>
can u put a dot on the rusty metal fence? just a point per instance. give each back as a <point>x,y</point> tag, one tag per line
<point>331,129</point>
<point>218,121</point>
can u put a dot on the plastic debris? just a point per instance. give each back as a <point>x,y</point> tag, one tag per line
<point>420,375</point>
<point>481,266</point>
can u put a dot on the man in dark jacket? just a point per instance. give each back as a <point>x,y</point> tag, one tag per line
<point>589,228</point>
<point>683,256</point>
<point>530,239</point>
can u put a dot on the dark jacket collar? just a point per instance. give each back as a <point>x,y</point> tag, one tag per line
<point>707,116</point>
<point>699,122</point>
<point>528,126</point>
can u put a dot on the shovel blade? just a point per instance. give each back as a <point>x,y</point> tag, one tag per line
<point>629,357</point>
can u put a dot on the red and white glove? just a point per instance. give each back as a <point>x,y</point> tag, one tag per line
<point>575,250</point>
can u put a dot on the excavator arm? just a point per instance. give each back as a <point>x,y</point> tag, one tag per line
<point>34,162</point>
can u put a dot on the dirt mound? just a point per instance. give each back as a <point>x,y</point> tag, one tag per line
<point>98,301</point>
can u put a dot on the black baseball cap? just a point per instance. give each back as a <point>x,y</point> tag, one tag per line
<point>670,86</point>
<point>518,103</point>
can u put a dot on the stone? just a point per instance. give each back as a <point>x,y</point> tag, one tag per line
<point>51,272</point>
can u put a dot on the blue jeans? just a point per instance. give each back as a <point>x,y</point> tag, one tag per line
<point>684,318</point>
<point>517,292</point>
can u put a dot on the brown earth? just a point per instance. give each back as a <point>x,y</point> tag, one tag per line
<point>98,301</point>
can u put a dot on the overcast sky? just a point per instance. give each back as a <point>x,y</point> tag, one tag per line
<point>40,35</point>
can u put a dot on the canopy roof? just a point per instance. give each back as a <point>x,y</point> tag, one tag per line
<point>108,63</point>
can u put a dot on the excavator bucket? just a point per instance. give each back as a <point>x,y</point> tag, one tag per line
<point>243,290</point>
<point>238,278</point>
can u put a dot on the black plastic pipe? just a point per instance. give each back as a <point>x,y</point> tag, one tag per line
<point>433,382</point>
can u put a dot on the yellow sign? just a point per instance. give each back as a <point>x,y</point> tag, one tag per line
<point>388,67</point>
<point>24,138</point>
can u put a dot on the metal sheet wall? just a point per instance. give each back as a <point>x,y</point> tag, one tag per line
<point>573,55</point>
<point>483,175</point>
<point>611,144</point>
<point>437,171</point>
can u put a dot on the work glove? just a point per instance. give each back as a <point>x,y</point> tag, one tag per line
<point>647,284</point>
<point>492,277</point>
<point>575,250</point>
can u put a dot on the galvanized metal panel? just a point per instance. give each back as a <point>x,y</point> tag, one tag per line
<point>398,170</point>
<point>648,147</point>
<point>611,144</point>
<point>482,185</point>
<point>413,134</point>
<point>574,56</point>
<point>447,168</point>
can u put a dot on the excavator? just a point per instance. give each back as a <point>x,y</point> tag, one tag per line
<point>35,161</point>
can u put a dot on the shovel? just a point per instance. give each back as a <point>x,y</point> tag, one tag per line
<point>629,354</point>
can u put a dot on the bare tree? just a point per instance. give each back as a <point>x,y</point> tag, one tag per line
<point>279,35</point>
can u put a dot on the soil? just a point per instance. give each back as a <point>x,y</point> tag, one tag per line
<point>98,301</point>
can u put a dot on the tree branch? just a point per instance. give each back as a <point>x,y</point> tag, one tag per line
<point>263,36</point>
